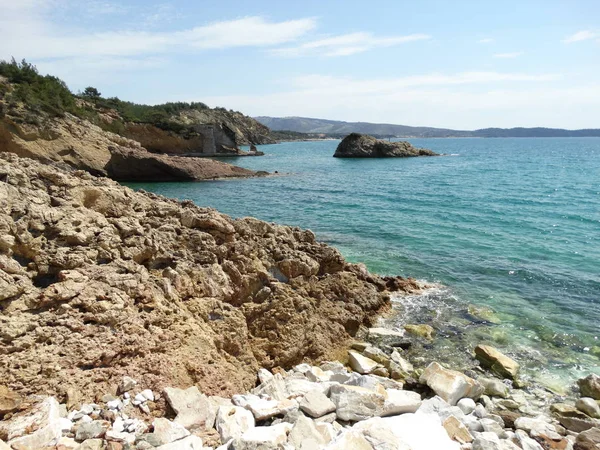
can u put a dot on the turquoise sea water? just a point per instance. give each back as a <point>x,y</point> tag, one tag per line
<point>511,224</point>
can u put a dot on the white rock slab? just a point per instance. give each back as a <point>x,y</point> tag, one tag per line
<point>354,403</point>
<point>233,421</point>
<point>272,437</point>
<point>400,402</point>
<point>450,384</point>
<point>360,363</point>
<point>316,404</point>
<point>166,431</point>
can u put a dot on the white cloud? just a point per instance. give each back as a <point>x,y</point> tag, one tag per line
<point>342,85</point>
<point>34,36</point>
<point>461,101</point>
<point>485,41</point>
<point>508,55</point>
<point>346,44</point>
<point>581,36</point>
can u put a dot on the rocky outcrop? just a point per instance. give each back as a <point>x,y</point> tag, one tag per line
<point>127,164</point>
<point>98,281</point>
<point>82,145</point>
<point>202,140</point>
<point>497,362</point>
<point>357,145</point>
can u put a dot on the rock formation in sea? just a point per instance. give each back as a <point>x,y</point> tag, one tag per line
<point>357,145</point>
<point>98,281</point>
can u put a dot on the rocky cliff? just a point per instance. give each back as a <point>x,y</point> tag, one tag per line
<point>98,281</point>
<point>357,145</point>
<point>75,141</point>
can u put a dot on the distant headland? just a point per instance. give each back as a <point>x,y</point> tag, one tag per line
<point>338,129</point>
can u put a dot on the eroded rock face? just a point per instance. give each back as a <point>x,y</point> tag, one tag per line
<point>139,165</point>
<point>74,142</point>
<point>357,145</point>
<point>99,282</point>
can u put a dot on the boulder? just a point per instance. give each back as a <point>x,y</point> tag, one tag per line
<point>493,388</point>
<point>44,418</point>
<point>422,330</point>
<point>526,442</point>
<point>316,404</point>
<point>166,431</point>
<point>354,403</point>
<point>457,431</point>
<point>572,418</point>
<point>357,145</point>
<point>450,385</point>
<point>350,439</point>
<point>263,438</point>
<point>305,435</point>
<point>589,406</point>
<point>588,440</point>
<point>274,387</point>
<point>193,409</point>
<point>487,441</point>
<point>91,430</point>
<point>127,384</point>
<point>590,386</point>
<point>537,426</point>
<point>233,421</point>
<point>400,402</point>
<point>466,405</point>
<point>420,432</point>
<point>360,363</point>
<point>497,362</point>
<point>263,409</point>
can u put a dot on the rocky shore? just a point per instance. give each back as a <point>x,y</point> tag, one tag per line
<point>328,406</point>
<point>98,281</point>
<point>357,145</point>
<point>132,321</point>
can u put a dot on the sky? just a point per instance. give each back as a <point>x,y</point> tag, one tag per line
<point>461,64</point>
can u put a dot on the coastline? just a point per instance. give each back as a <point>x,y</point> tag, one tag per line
<point>381,361</point>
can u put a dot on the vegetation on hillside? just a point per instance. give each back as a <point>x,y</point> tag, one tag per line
<point>50,95</point>
<point>41,93</point>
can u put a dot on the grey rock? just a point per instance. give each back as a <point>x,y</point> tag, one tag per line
<point>91,430</point>
<point>233,421</point>
<point>305,435</point>
<point>316,404</point>
<point>354,403</point>
<point>127,384</point>
<point>466,405</point>
<point>166,431</point>
<point>494,388</point>
<point>449,384</point>
<point>590,386</point>
<point>400,402</point>
<point>589,406</point>
<point>193,409</point>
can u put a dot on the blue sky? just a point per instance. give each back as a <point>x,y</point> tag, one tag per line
<point>456,64</point>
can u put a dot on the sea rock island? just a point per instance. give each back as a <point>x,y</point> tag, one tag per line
<point>357,145</point>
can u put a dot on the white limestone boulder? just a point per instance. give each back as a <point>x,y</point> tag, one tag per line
<point>450,384</point>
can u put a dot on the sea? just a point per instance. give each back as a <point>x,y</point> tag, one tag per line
<point>507,230</point>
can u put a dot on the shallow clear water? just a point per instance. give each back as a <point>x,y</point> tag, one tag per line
<point>513,224</point>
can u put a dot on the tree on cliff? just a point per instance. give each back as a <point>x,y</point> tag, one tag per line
<point>91,93</point>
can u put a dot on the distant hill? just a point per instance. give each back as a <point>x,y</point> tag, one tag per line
<point>336,128</point>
